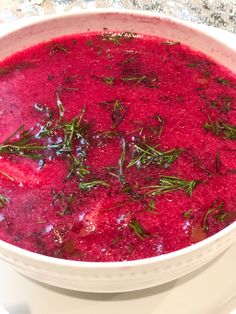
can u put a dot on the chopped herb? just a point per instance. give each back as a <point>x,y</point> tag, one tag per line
<point>60,106</point>
<point>220,128</point>
<point>192,65</point>
<point>70,79</point>
<point>24,145</point>
<point>108,134</point>
<point>92,184</point>
<point>160,127</point>
<point>116,38</point>
<point>63,201</point>
<point>188,214</point>
<point>116,240</point>
<point>89,43</point>
<point>56,48</point>
<point>169,184</point>
<point>134,79</point>
<point>150,206</point>
<point>218,209</point>
<point>50,77</point>
<point>138,229</point>
<point>3,200</point>
<point>118,113</point>
<point>72,131</point>
<point>19,66</point>
<point>106,80</point>
<point>77,167</point>
<point>222,81</point>
<point>223,104</point>
<point>226,103</point>
<point>121,162</point>
<point>148,81</point>
<point>146,155</point>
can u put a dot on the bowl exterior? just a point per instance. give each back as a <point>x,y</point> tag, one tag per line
<point>132,275</point>
<point>116,277</point>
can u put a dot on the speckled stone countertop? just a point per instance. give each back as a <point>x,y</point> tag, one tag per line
<point>218,13</point>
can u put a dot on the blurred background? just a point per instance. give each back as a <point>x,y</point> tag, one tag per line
<point>218,13</point>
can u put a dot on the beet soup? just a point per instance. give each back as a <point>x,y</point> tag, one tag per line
<point>115,146</point>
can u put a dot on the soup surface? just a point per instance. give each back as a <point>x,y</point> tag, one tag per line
<point>115,146</point>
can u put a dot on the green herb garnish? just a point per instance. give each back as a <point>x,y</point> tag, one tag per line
<point>105,79</point>
<point>218,210</point>
<point>92,184</point>
<point>150,206</point>
<point>121,162</point>
<point>138,229</point>
<point>24,144</point>
<point>56,48</point>
<point>116,38</point>
<point>3,200</point>
<point>222,81</point>
<point>77,167</point>
<point>188,214</point>
<point>220,128</point>
<point>19,66</point>
<point>118,113</point>
<point>63,201</point>
<point>147,155</point>
<point>134,79</point>
<point>169,184</point>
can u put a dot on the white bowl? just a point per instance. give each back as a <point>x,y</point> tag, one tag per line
<point>131,275</point>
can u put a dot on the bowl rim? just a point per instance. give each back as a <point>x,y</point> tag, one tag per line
<point>201,29</point>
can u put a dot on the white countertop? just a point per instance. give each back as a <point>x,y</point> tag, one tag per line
<point>209,290</point>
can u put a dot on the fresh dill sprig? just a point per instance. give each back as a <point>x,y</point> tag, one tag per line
<point>24,144</point>
<point>77,167</point>
<point>63,201</point>
<point>3,200</point>
<point>56,48</point>
<point>60,106</point>
<point>218,210</point>
<point>121,162</point>
<point>134,79</point>
<point>222,81</point>
<point>72,130</point>
<point>138,229</point>
<point>220,128</point>
<point>118,113</point>
<point>116,38</point>
<point>92,184</point>
<point>19,66</point>
<point>108,80</point>
<point>169,184</point>
<point>147,155</point>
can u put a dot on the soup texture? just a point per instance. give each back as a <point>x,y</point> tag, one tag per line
<point>115,146</point>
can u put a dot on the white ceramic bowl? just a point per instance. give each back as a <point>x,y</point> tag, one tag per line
<point>131,275</point>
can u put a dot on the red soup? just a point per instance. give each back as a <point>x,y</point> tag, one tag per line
<point>115,146</point>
